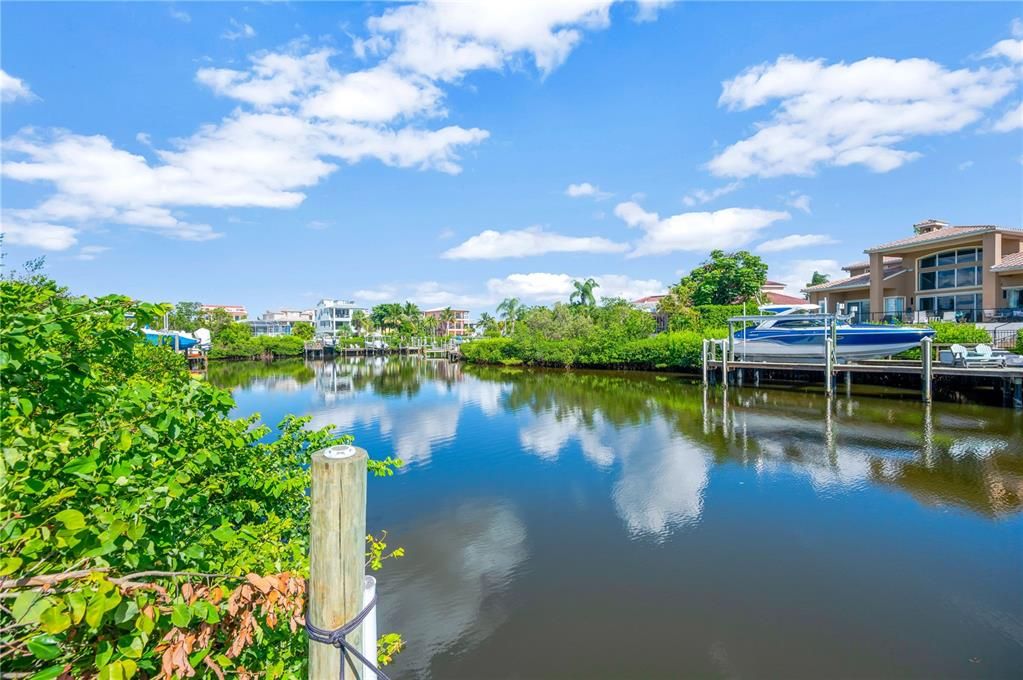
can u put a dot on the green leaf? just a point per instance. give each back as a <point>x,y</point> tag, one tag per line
<point>55,619</point>
<point>76,604</point>
<point>28,606</point>
<point>9,565</point>
<point>45,647</point>
<point>181,615</point>
<point>223,534</point>
<point>124,443</point>
<point>71,519</point>
<point>80,466</point>
<point>48,674</point>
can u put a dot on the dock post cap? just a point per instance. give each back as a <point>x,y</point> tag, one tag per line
<point>340,451</point>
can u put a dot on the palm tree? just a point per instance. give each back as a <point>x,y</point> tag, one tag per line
<point>583,294</point>
<point>486,322</point>
<point>447,317</point>
<point>510,309</point>
<point>431,323</point>
<point>359,319</point>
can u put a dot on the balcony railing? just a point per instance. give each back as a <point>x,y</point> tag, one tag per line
<point>999,315</point>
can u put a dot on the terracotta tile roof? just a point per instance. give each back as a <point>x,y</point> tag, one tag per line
<point>888,259</point>
<point>774,284</point>
<point>782,299</point>
<point>1009,263</point>
<point>649,298</point>
<point>941,235</point>
<point>858,281</point>
<point>850,282</point>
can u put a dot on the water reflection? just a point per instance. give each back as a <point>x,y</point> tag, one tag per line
<point>466,556</point>
<point>532,496</point>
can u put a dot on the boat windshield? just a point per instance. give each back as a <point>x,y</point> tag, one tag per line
<point>798,323</point>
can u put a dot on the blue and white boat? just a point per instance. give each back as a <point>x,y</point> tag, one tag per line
<point>797,333</point>
<point>174,339</point>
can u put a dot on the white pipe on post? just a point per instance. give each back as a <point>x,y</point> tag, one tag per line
<point>828,366</point>
<point>369,625</point>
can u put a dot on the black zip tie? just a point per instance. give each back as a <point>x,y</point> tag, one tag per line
<point>338,638</point>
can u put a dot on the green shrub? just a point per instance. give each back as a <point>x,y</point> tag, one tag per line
<point>1019,342</point>
<point>682,349</point>
<point>116,462</point>
<point>487,350</point>
<point>948,333</point>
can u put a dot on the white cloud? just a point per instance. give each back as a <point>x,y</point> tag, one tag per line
<point>1006,49</point>
<point>548,287</point>
<point>446,233</point>
<point>798,201</point>
<point>851,114</point>
<point>647,10</point>
<point>386,294</point>
<point>965,165</point>
<point>13,89</point>
<point>299,118</point>
<point>1012,120</point>
<point>727,228</point>
<point>493,245</point>
<point>701,196</point>
<point>796,274</point>
<point>317,225</point>
<point>794,241</point>
<point>445,40</point>
<point>238,30</point>
<point>181,15</point>
<point>18,231</point>
<point>585,189</point>
<point>89,253</point>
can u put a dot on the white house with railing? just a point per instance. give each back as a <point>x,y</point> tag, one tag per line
<point>334,317</point>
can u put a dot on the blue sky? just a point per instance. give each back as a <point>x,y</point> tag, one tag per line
<point>273,154</point>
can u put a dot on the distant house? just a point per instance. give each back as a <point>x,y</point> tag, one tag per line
<point>279,322</point>
<point>237,312</point>
<point>334,317</point>
<point>460,326</point>
<point>772,290</point>
<point>962,273</point>
<point>774,294</point>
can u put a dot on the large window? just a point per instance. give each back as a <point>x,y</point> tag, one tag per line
<point>953,307</point>
<point>939,271</point>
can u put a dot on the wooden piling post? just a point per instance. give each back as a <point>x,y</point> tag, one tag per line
<point>829,364</point>
<point>337,552</point>
<point>724,363</point>
<point>703,357</point>
<point>926,356</point>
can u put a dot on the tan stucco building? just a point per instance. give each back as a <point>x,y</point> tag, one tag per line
<point>964,273</point>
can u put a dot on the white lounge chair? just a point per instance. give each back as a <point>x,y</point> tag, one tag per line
<point>982,355</point>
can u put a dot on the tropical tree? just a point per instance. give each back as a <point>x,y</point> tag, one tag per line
<point>303,329</point>
<point>583,293</point>
<point>510,309</point>
<point>186,316</point>
<point>817,279</point>
<point>727,278</point>
<point>387,315</point>
<point>359,320</point>
<point>216,320</point>
<point>487,323</point>
<point>447,318</point>
<point>430,324</point>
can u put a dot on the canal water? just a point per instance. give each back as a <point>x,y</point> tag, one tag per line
<point>626,525</point>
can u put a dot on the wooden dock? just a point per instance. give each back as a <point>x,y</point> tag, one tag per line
<point>719,360</point>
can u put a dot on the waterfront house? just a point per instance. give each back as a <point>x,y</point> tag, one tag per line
<point>953,273</point>
<point>460,326</point>
<point>236,312</point>
<point>334,317</point>
<point>279,322</point>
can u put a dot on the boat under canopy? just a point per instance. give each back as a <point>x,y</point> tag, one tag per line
<point>798,333</point>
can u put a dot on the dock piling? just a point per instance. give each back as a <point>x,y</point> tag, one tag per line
<point>926,357</point>
<point>337,547</point>
<point>703,357</point>
<point>829,366</point>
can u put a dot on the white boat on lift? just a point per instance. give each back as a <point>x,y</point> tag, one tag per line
<point>797,333</point>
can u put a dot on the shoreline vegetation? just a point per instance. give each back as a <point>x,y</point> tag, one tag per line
<point>144,531</point>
